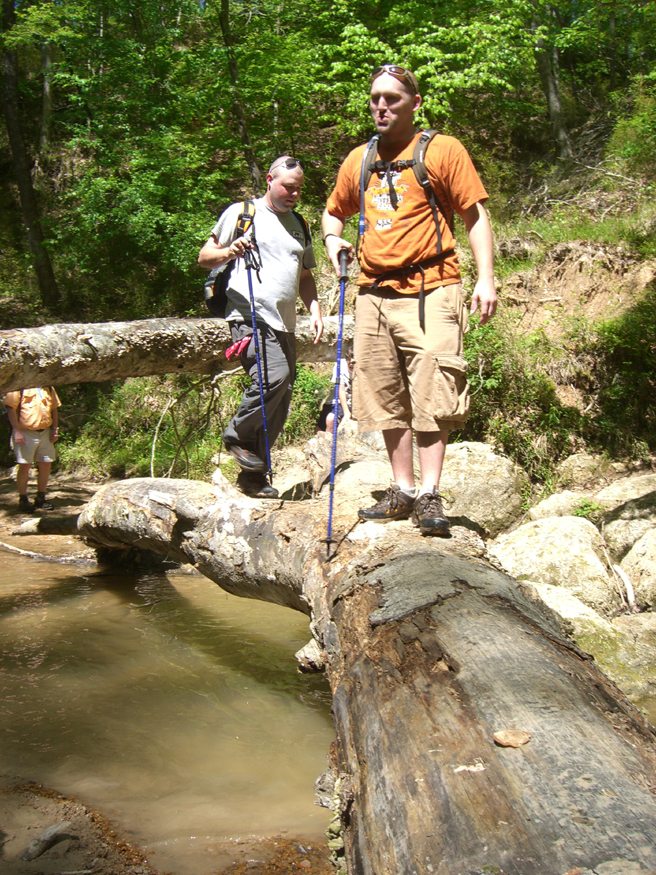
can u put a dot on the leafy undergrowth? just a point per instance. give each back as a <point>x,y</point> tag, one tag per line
<point>609,366</point>
<point>166,426</point>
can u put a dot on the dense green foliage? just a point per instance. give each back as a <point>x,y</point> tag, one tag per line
<point>515,404</point>
<point>162,426</point>
<point>140,121</point>
<point>160,110</point>
<point>623,380</point>
<point>147,427</point>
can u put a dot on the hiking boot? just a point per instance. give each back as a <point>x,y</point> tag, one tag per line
<point>255,485</point>
<point>394,505</point>
<point>24,504</point>
<point>40,502</point>
<point>429,514</point>
<point>246,459</point>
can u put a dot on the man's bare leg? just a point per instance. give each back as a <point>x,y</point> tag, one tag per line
<point>428,512</point>
<point>432,448</point>
<point>398,442</point>
<point>43,475</point>
<point>398,500</point>
<point>22,477</point>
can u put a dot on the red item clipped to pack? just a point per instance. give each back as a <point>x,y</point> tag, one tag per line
<point>237,348</point>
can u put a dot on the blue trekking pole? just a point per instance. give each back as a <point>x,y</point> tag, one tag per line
<point>343,276</point>
<point>251,262</point>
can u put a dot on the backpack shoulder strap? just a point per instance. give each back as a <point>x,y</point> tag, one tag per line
<point>304,225</point>
<point>245,219</point>
<point>365,175</point>
<point>421,175</point>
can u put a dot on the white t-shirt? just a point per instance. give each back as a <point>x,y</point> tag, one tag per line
<point>281,243</point>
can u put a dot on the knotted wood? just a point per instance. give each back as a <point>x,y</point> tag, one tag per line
<point>430,651</point>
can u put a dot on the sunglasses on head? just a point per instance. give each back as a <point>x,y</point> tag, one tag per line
<point>289,163</point>
<point>400,73</point>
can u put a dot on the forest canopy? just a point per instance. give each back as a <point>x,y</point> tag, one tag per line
<point>128,126</point>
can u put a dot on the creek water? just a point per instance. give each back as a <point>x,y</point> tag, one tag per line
<point>169,705</point>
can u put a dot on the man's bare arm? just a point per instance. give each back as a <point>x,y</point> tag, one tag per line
<point>332,228</point>
<point>308,294</point>
<point>479,232</point>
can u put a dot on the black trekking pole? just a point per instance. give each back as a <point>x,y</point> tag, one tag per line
<point>343,276</point>
<point>251,262</point>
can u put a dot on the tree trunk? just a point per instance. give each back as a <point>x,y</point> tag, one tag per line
<point>549,70</point>
<point>430,651</point>
<point>21,166</point>
<point>75,353</point>
<point>238,106</point>
<point>46,98</point>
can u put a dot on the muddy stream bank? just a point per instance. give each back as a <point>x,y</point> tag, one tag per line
<point>157,723</point>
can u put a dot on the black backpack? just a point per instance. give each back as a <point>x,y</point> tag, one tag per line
<point>418,165</point>
<point>215,287</point>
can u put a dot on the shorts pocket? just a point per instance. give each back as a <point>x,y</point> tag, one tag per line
<point>451,388</point>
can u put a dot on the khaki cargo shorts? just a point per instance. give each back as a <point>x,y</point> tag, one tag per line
<point>37,447</point>
<point>405,377</point>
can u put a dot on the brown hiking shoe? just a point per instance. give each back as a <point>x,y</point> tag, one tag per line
<point>429,515</point>
<point>246,459</point>
<point>394,505</point>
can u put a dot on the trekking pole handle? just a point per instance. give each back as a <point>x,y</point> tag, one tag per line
<point>343,264</point>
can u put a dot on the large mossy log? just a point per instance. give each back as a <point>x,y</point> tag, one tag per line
<point>85,352</point>
<point>430,651</point>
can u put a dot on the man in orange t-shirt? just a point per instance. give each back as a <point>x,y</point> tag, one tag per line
<point>410,313</point>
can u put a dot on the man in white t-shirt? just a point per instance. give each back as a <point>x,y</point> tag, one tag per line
<point>286,273</point>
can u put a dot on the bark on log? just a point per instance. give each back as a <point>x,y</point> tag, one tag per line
<point>430,651</point>
<point>77,353</point>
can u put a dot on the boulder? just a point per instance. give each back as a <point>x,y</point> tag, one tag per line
<point>558,504</point>
<point>579,621</point>
<point>562,551</point>
<point>583,470</point>
<point>482,486</point>
<point>623,526</point>
<point>622,534</point>
<point>624,648</point>
<point>632,664</point>
<point>640,566</point>
<point>625,490</point>
<point>615,867</point>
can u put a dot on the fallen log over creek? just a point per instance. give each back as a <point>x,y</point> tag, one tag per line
<point>431,654</point>
<point>94,352</point>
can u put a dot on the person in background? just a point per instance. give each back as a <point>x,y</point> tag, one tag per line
<point>410,376</point>
<point>34,418</point>
<point>286,274</point>
<point>326,416</point>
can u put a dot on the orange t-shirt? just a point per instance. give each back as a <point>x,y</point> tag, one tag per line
<point>35,406</point>
<point>407,235</point>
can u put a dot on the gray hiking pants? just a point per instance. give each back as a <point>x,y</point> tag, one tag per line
<point>278,354</point>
